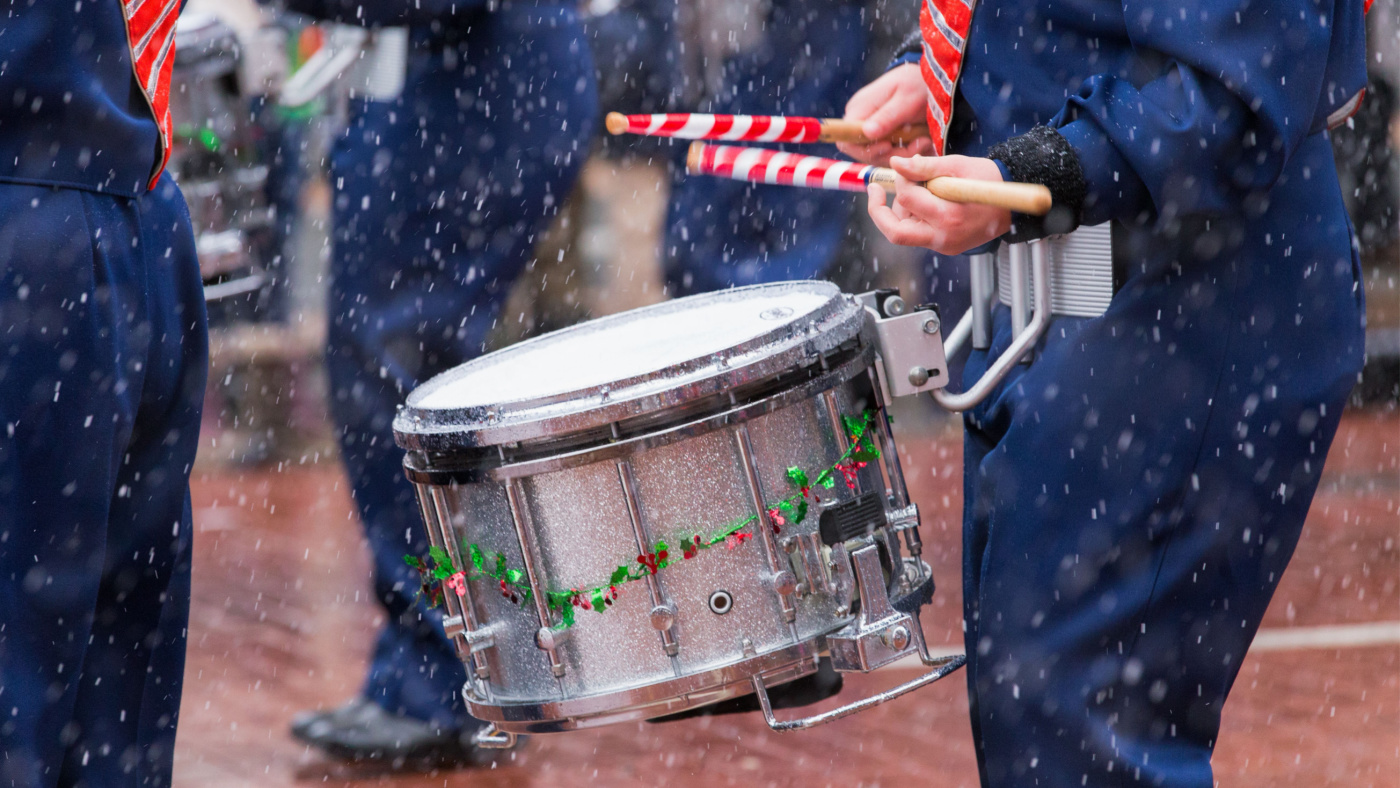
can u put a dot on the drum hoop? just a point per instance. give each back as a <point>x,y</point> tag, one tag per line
<point>651,700</point>
<point>834,324</point>
<point>420,470</point>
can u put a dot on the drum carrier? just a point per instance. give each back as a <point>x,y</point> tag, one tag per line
<point>678,505</point>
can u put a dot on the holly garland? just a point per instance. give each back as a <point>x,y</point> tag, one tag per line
<point>438,574</point>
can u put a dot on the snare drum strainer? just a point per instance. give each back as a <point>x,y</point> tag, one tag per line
<point>677,505</point>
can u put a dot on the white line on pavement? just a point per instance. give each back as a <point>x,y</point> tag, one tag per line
<point>1375,633</point>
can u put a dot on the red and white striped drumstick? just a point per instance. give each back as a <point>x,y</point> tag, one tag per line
<point>751,128</point>
<point>760,165</point>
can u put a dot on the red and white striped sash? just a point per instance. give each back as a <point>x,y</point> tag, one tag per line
<point>150,35</point>
<point>945,25</point>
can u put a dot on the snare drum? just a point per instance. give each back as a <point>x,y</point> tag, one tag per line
<point>672,506</point>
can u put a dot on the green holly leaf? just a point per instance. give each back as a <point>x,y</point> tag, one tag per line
<point>415,562</point>
<point>786,508</point>
<point>440,556</point>
<point>619,575</point>
<point>514,576</point>
<point>597,600</point>
<point>826,479</point>
<point>566,612</point>
<point>801,513</point>
<point>501,567</point>
<point>798,476</point>
<point>478,560</point>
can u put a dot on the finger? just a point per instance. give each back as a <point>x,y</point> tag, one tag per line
<point>915,198</point>
<point>924,168</point>
<point>869,98</point>
<point>875,152</point>
<point>902,232</point>
<point>900,110</point>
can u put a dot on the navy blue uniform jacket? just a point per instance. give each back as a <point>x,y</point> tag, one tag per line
<point>70,112</point>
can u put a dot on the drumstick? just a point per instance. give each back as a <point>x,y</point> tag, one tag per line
<point>760,165</point>
<point>752,128</point>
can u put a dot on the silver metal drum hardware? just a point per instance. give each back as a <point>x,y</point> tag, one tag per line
<point>879,635</point>
<point>784,590</point>
<point>842,578</point>
<point>905,521</point>
<point>525,535</point>
<point>867,643</point>
<point>1064,275</point>
<point>805,552</point>
<point>493,738</point>
<point>1033,327</point>
<point>461,624</point>
<point>663,613</point>
<point>911,348</point>
<point>477,640</point>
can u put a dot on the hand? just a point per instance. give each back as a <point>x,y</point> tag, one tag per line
<point>921,219</point>
<point>897,98</point>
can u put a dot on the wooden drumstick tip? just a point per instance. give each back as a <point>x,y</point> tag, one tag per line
<point>692,157</point>
<point>616,123</point>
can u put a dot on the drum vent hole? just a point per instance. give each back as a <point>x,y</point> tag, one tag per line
<point>721,602</point>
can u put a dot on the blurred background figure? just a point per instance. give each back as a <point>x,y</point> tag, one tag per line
<point>456,153</point>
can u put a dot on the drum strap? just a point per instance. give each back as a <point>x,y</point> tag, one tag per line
<point>1081,272</point>
<point>150,31</point>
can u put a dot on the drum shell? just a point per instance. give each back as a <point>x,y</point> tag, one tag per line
<point>688,481</point>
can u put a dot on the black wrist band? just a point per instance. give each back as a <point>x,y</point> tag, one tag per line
<point>1043,156</point>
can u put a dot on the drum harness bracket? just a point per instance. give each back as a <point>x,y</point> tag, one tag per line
<point>1069,275</point>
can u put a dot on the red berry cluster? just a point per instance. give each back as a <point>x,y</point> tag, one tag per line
<point>650,560</point>
<point>690,548</point>
<point>509,593</point>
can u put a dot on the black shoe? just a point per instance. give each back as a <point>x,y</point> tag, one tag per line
<point>805,691</point>
<point>361,730</point>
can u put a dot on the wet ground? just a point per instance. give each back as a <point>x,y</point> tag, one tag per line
<point>281,622</point>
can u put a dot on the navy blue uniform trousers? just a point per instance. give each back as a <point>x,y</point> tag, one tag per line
<point>439,197</point>
<point>103,358</point>
<point>1134,494</point>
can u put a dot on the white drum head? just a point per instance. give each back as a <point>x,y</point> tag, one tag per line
<point>631,357</point>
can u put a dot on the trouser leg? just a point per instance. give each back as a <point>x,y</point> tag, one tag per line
<point>100,395</point>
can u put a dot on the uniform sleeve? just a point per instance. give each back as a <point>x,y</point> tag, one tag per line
<point>1229,92</point>
<point>387,13</point>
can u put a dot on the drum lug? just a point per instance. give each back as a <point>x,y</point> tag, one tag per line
<point>663,616</point>
<point>880,634</point>
<point>805,553</point>
<point>475,640</point>
<point>783,582</point>
<point>906,521</point>
<point>549,638</point>
<point>842,579</point>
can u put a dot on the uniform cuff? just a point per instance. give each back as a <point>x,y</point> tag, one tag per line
<point>1043,156</point>
<point>911,51</point>
<point>1112,190</point>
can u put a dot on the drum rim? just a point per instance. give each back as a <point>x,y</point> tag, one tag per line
<point>816,335</point>
<point>420,469</point>
<point>649,701</point>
